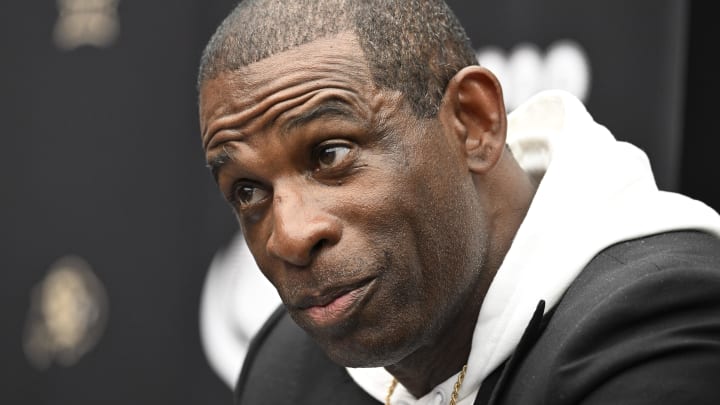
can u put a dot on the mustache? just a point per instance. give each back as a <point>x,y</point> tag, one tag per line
<point>324,280</point>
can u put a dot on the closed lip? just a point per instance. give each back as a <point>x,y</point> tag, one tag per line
<point>334,304</point>
<point>328,295</point>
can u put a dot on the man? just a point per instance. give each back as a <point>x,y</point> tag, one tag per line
<point>425,261</point>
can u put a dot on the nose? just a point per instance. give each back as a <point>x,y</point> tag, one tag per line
<point>301,228</point>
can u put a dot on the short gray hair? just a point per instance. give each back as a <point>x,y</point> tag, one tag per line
<point>412,46</point>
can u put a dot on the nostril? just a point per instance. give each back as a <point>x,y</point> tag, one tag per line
<point>319,245</point>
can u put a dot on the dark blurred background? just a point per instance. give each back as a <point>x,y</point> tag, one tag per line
<point>109,219</point>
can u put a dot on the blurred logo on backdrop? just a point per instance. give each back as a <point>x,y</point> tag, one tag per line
<point>526,69</point>
<point>67,316</point>
<point>86,22</point>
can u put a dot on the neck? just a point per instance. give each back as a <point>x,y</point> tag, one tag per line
<point>431,365</point>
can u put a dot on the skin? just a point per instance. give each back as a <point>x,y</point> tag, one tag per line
<point>381,231</point>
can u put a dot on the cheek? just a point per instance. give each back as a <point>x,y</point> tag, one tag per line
<point>443,208</point>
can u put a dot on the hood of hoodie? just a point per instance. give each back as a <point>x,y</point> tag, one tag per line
<point>595,191</point>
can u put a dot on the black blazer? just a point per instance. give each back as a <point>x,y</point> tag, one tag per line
<point>639,325</point>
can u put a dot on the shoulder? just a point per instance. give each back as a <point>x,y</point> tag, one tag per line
<point>640,324</point>
<point>654,270</point>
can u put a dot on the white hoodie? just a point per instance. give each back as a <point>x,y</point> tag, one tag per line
<point>596,192</point>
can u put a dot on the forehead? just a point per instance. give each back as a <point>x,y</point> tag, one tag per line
<point>252,97</point>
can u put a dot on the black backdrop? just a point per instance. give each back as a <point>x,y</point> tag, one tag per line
<point>101,158</point>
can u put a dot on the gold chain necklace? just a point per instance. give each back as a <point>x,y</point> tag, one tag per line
<point>453,397</point>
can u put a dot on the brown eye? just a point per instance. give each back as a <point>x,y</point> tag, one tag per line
<point>246,194</point>
<point>331,156</point>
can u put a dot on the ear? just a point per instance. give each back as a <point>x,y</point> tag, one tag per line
<point>474,111</point>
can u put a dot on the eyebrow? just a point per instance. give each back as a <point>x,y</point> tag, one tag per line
<point>334,107</point>
<point>218,161</point>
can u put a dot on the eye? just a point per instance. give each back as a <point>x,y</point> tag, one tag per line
<point>248,194</point>
<point>331,156</point>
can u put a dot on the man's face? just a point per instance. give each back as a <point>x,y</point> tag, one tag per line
<point>364,217</point>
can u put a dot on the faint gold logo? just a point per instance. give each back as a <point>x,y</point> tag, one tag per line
<point>68,313</point>
<point>86,22</point>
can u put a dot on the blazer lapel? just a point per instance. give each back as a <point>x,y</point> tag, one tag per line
<point>492,389</point>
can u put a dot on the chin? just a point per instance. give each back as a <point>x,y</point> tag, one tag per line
<point>375,353</point>
<point>360,360</point>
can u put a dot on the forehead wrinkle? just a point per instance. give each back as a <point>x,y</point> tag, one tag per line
<point>252,93</point>
<point>332,106</point>
<point>288,112</point>
<point>247,120</point>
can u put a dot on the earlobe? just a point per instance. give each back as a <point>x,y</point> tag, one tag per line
<point>473,105</point>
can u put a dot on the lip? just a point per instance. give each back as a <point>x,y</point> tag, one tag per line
<point>332,308</point>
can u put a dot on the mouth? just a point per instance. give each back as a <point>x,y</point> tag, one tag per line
<point>335,306</point>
